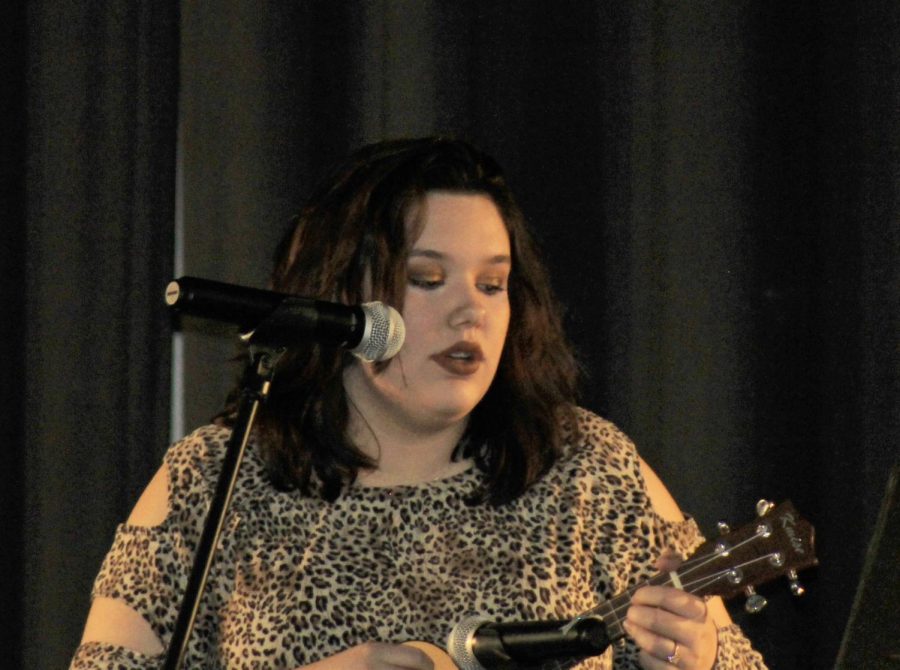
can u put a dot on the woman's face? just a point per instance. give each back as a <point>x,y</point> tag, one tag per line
<point>456,311</point>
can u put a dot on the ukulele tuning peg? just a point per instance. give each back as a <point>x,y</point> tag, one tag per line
<point>763,507</point>
<point>723,528</point>
<point>796,587</point>
<point>755,602</point>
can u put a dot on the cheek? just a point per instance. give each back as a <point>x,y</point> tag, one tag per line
<point>420,325</point>
<point>503,327</point>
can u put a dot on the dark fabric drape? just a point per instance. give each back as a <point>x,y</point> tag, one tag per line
<point>12,303</point>
<point>87,369</point>
<point>715,186</point>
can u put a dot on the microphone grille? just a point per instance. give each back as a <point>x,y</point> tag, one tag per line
<point>460,641</point>
<point>383,335</point>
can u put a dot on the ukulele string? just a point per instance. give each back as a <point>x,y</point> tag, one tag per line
<point>686,568</point>
<point>698,562</point>
<point>690,587</point>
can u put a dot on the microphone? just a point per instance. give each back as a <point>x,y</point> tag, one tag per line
<point>478,644</point>
<point>372,331</point>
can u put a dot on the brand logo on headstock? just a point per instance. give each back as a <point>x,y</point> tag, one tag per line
<point>789,526</point>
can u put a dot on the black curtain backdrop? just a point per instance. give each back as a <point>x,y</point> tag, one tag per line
<point>716,187</point>
<point>88,202</point>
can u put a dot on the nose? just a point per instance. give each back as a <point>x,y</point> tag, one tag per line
<point>469,312</point>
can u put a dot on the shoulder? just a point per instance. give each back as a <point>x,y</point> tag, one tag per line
<point>602,448</point>
<point>187,464</point>
<point>185,483</point>
<point>588,436</point>
<point>596,459</point>
<point>199,451</point>
<point>195,462</point>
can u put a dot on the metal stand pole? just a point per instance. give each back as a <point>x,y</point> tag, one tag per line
<point>255,388</point>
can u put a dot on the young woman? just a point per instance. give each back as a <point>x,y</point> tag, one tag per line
<point>384,502</point>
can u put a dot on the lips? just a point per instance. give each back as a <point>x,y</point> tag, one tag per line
<point>463,358</point>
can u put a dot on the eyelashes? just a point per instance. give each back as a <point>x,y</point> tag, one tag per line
<point>424,283</point>
<point>491,287</point>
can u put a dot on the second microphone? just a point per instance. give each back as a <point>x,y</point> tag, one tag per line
<point>476,643</point>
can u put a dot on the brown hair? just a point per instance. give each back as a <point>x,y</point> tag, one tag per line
<point>350,244</point>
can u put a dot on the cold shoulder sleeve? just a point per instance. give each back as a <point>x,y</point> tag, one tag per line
<point>627,535</point>
<point>736,652</point>
<point>147,567</point>
<point>94,655</point>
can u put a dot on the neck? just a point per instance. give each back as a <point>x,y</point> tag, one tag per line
<point>403,454</point>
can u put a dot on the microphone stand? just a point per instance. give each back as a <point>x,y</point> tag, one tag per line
<point>255,386</point>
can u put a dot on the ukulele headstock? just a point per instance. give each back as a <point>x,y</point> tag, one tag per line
<point>779,542</point>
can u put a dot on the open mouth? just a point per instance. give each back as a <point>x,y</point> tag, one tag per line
<point>463,358</point>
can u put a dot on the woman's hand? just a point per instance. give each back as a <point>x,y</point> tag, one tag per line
<point>376,656</point>
<point>672,628</point>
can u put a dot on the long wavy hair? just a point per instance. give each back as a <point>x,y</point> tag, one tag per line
<point>350,244</point>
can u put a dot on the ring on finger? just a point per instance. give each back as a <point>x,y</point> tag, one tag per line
<point>673,658</point>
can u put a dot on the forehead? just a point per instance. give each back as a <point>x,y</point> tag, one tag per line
<point>465,222</point>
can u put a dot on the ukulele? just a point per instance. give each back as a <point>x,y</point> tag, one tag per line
<point>779,542</point>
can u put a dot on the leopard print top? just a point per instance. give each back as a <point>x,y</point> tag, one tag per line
<point>297,579</point>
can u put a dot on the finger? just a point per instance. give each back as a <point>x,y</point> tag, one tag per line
<point>387,656</point>
<point>656,650</point>
<point>671,600</point>
<point>405,657</point>
<point>669,561</point>
<point>415,655</point>
<point>655,629</point>
<point>650,662</point>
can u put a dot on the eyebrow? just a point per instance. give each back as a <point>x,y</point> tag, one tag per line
<point>498,259</point>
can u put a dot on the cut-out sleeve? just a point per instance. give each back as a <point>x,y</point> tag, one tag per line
<point>147,566</point>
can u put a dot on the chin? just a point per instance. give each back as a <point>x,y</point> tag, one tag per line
<point>452,412</point>
<point>449,414</point>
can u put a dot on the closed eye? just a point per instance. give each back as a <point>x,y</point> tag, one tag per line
<point>492,289</point>
<point>426,282</point>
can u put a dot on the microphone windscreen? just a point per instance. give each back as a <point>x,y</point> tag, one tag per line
<point>384,333</point>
